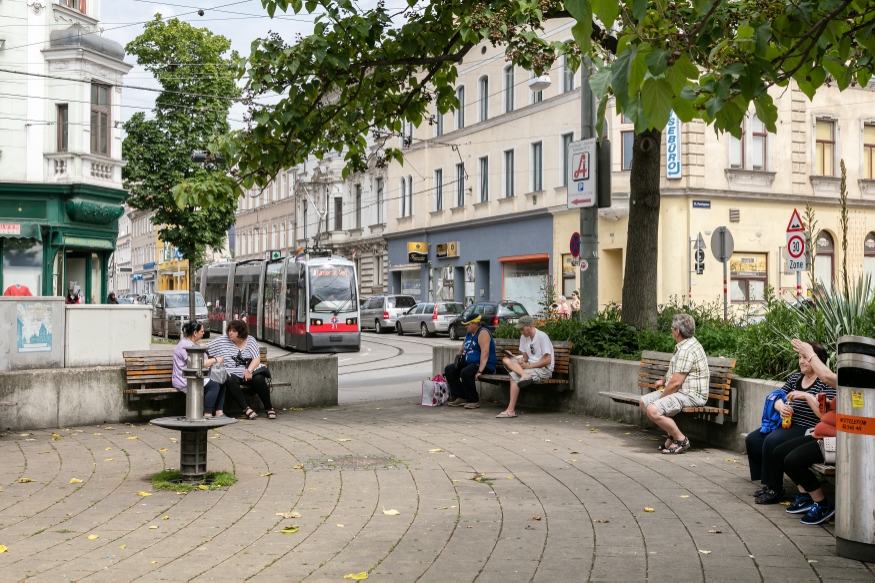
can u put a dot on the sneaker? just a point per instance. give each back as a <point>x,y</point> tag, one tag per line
<point>472,405</point>
<point>801,505</point>
<point>770,496</point>
<point>818,513</point>
<point>759,492</point>
<point>456,403</point>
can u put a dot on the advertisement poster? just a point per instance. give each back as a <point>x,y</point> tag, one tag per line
<point>34,327</point>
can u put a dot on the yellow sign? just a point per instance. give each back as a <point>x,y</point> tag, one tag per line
<point>417,247</point>
<point>569,265</point>
<point>857,401</point>
<point>748,264</point>
<point>450,249</point>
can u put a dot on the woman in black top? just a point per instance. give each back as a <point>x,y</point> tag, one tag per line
<point>761,446</point>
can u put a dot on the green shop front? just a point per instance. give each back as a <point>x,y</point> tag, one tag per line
<point>54,236</point>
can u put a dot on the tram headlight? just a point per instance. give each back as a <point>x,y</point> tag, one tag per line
<point>315,322</point>
<point>352,321</point>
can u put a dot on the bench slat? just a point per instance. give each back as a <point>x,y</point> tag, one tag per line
<point>716,361</point>
<point>630,398</point>
<point>825,469</point>
<point>151,391</point>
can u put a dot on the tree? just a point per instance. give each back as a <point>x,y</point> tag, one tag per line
<point>198,84</point>
<point>364,71</point>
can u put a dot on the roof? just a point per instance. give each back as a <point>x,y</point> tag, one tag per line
<point>73,37</point>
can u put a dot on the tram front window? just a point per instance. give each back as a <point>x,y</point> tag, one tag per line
<point>332,289</point>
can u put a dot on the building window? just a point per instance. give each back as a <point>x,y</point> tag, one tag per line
<point>439,189</point>
<point>378,270</point>
<point>566,142</point>
<point>380,220</point>
<point>484,98</point>
<point>736,148</point>
<point>824,260</point>
<point>484,179</point>
<point>825,147</point>
<point>748,273</point>
<point>567,76</point>
<point>403,198</point>
<point>460,184</point>
<point>63,128</point>
<point>460,113</point>
<point>869,256</point>
<point>304,221</point>
<point>509,87</point>
<point>74,4</point>
<point>869,152</point>
<point>508,174</point>
<point>537,167</point>
<point>338,213</point>
<point>358,206</point>
<point>438,124</point>
<point>628,140</point>
<point>100,119</point>
<point>410,195</point>
<point>537,96</point>
<point>759,143</point>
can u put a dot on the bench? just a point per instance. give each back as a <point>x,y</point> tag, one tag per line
<point>149,374</point>
<point>721,404</point>
<point>560,380</point>
<point>825,469</point>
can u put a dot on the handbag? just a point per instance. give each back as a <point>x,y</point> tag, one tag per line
<point>262,369</point>
<point>435,392</point>
<point>218,373</point>
<point>460,362</point>
<point>828,449</point>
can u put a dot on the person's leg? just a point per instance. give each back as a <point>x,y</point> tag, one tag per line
<point>797,463</point>
<point>513,365</point>
<point>645,401</point>
<point>773,474</point>
<point>454,383</point>
<point>469,385</point>
<point>211,391</point>
<point>220,400</point>
<point>514,395</point>
<point>753,445</point>
<point>259,385</point>
<point>232,388</point>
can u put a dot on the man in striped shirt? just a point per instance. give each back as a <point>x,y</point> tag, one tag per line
<point>686,384</point>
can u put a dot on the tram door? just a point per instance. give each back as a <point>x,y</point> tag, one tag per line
<point>216,294</point>
<point>295,306</point>
<point>271,307</point>
<point>247,277</point>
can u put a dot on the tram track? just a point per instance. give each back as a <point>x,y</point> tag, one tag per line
<point>400,352</point>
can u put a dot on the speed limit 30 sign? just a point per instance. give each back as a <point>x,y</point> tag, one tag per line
<point>796,257</point>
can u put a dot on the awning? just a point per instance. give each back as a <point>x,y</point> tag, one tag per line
<point>21,230</point>
<point>407,267</point>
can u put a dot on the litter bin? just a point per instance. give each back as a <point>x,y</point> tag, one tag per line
<point>855,449</point>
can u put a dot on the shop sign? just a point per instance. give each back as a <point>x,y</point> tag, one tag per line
<point>149,265</point>
<point>10,229</point>
<point>444,250</point>
<point>87,242</point>
<point>417,252</point>
<point>673,168</point>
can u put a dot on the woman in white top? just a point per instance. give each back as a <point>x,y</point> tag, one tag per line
<point>241,355</point>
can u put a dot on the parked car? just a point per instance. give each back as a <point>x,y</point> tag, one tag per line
<point>146,299</point>
<point>492,313</point>
<point>125,300</point>
<point>170,309</point>
<point>428,318</point>
<point>381,312</point>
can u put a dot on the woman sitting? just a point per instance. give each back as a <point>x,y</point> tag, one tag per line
<point>241,355</point>
<point>214,393</point>
<point>803,411</point>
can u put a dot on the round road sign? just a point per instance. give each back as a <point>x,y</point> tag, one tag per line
<point>584,265</point>
<point>796,246</point>
<point>575,245</point>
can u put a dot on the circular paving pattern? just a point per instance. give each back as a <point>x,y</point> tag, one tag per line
<point>403,492</point>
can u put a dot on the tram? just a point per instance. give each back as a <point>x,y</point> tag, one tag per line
<point>310,305</point>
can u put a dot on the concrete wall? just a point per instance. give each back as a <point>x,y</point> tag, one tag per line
<point>97,335</point>
<point>590,375</point>
<point>18,316</point>
<point>68,397</point>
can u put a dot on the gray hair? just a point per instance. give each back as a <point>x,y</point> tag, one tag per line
<point>684,324</point>
<point>562,298</point>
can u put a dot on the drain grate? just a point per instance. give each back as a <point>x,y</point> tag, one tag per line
<point>351,462</point>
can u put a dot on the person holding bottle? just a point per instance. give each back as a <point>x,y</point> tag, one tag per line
<point>799,411</point>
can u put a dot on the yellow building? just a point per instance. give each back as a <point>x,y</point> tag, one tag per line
<point>172,268</point>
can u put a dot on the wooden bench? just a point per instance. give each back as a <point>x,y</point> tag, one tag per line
<point>721,404</point>
<point>559,381</point>
<point>825,469</point>
<point>149,374</point>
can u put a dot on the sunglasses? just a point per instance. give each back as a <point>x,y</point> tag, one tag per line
<point>532,348</point>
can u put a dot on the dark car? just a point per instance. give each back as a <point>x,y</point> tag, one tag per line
<point>491,312</point>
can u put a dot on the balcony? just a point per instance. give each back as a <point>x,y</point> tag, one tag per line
<point>74,167</point>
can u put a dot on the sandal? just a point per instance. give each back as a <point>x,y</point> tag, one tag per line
<point>271,414</point>
<point>505,415</point>
<point>250,414</point>
<point>525,383</point>
<point>678,447</point>
<point>662,446</point>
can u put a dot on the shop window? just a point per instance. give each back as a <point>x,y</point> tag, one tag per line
<point>523,281</point>
<point>446,283</point>
<point>569,273</point>
<point>411,284</point>
<point>749,276</point>
<point>869,152</point>
<point>100,119</point>
<point>63,127</point>
<point>22,267</point>
<point>824,263</point>
<point>824,148</point>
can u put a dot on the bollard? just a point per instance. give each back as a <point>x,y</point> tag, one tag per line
<point>855,449</point>
<point>193,427</point>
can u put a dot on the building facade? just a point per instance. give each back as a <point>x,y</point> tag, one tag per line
<point>144,252</point>
<point>121,270</point>
<point>479,208</point>
<point>60,148</point>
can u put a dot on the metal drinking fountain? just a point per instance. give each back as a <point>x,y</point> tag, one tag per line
<point>194,426</point>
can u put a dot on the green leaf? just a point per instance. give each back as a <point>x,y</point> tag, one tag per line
<point>656,97</point>
<point>684,65</point>
<point>657,61</point>
<point>767,112</point>
<point>683,109</point>
<point>634,110</point>
<point>600,117</point>
<point>637,72</point>
<point>713,105</point>
<point>620,74</point>
<point>582,33</point>
<point>606,11</point>
<point>639,9</point>
<point>600,81</point>
<point>676,79</point>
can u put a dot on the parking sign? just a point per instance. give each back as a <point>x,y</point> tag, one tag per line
<point>581,177</point>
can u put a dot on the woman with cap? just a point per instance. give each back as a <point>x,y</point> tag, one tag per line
<point>478,350</point>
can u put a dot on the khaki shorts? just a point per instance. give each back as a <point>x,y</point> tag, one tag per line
<point>539,374</point>
<point>672,404</point>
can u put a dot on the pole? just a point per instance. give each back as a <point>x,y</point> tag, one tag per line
<point>589,217</point>
<point>798,285</point>
<point>692,249</point>
<point>725,259</point>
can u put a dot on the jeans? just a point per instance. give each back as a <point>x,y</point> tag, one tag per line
<point>462,384</point>
<point>214,397</point>
<point>761,454</point>
<point>796,456</point>
<point>257,384</point>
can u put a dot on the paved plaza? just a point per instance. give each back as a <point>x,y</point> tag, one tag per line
<point>558,497</point>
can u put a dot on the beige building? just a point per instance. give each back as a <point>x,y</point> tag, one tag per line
<point>489,183</point>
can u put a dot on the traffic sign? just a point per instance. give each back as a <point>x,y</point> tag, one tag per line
<point>797,260</point>
<point>584,265</point>
<point>575,245</point>
<point>795,225</point>
<point>582,173</point>
<point>722,244</point>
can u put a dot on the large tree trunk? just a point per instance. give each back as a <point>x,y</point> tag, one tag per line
<point>642,243</point>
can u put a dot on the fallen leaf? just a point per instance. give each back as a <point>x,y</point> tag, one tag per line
<point>715,531</point>
<point>131,437</point>
<point>290,529</point>
<point>144,494</point>
<point>684,496</point>
<point>56,437</point>
<point>339,526</point>
<point>267,474</point>
<point>602,521</point>
<point>455,481</point>
<point>75,481</point>
<point>704,552</point>
<point>311,489</point>
<point>289,514</point>
<point>390,512</point>
<point>729,459</point>
<point>25,480</point>
<point>627,433</point>
<point>356,576</point>
<point>108,429</point>
<point>108,449</point>
<point>299,467</point>
<point>811,561</point>
<point>470,527</point>
<point>654,439</point>
<point>93,536</point>
<point>154,562</point>
<point>555,449</point>
<point>2,548</point>
<point>344,440</point>
<point>165,518</point>
<point>153,527</point>
<point>30,439</point>
<point>378,408</point>
<point>173,439</point>
<point>593,430</point>
<point>96,434</point>
<point>203,487</point>
<point>435,450</point>
<point>514,432</point>
<point>536,518</point>
<point>215,436</point>
<point>163,449</point>
<point>572,460</point>
<point>547,440</point>
<point>24,434</point>
<point>785,503</point>
<point>440,507</point>
<point>122,546</point>
<point>477,479</point>
<point>325,419</point>
<point>510,477</point>
<point>649,509</point>
<point>109,459</point>
<point>692,465</point>
<point>575,453</point>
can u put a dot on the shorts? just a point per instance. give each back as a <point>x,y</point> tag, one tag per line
<point>539,374</point>
<point>672,404</point>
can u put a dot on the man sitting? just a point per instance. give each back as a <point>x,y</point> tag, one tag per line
<point>535,362</point>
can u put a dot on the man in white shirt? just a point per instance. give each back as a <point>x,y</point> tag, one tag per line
<point>535,362</point>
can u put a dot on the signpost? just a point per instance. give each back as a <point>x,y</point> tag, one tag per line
<point>697,257</point>
<point>797,259</point>
<point>722,246</point>
<point>574,246</point>
<point>582,176</point>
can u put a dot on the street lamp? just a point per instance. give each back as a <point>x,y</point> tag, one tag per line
<point>537,84</point>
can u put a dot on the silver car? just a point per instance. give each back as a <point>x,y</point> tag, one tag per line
<point>381,312</point>
<point>170,310</point>
<point>428,319</point>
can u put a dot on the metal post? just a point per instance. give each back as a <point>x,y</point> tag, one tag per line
<point>589,216</point>
<point>798,285</point>
<point>691,249</point>
<point>725,261</point>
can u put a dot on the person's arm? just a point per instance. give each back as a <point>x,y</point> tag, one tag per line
<point>822,371</point>
<point>674,383</point>
<point>256,360</point>
<point>810,399</point>
<point>483,341</point>
<point>545,361</point>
